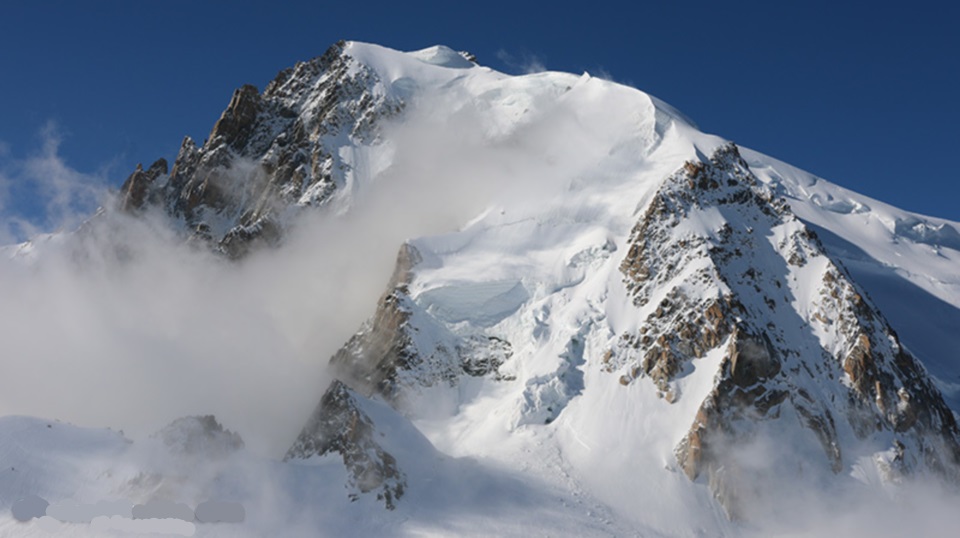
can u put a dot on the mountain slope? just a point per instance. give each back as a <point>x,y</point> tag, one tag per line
<point>723,291</point>
<point>793,347</point>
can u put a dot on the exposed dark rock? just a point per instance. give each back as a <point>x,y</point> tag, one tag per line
<point>371,359</point>
<point>752,360</point>
<point>133,192</point>
<point>383,357</point>
<point>199,436</point>
<point>339,425</point>
<point>873,384</point>
<point>484,356</point>
<point>236,124</point>
<point>270,152</point>
<point>242,239</point>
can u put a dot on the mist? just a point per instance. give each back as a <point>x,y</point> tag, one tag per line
<point>781,484</point>
<point>57,196</point>
<point>914,506</point>
<point>121,324</point>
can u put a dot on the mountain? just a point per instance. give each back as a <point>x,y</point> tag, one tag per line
<point>633,327</point>
<point>288,147</point>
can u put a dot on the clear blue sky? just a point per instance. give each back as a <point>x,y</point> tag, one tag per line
<point>865,95</point>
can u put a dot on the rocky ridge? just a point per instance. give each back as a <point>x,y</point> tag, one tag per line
<point>340,426</point>
<point>270,153</point>
<point>824,357</point>
<point>389,355</point>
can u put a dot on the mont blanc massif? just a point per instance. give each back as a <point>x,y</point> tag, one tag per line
<point>570,313</point>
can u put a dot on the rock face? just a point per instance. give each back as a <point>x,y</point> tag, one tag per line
<point>133,192</point>
<point>372,359</point>
<point>799,340</point>
<point>403,346</point>
<point>339,425</point>
<point>269,153</point>
<point>199,436</point>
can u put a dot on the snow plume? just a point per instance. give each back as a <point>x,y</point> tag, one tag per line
<point>121,324</point>
<point>526,63</point>
<point>56,194</point>
<point>7,225</point>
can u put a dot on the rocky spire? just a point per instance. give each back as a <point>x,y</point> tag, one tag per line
<point>270,152</point>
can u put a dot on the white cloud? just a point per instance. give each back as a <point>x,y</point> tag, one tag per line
<point>70,195</point>
<point>41,193</point>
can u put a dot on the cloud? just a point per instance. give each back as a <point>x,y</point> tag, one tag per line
<point>782,485</point>
<point>917,507</point>
<point>8,224</point>
<point>121,324</point>
<point>41,193</point>
<point>69,195</point>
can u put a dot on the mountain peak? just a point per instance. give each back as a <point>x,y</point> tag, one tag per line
<point>596,308</point>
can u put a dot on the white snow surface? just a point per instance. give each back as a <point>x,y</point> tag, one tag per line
<point>560,448</point>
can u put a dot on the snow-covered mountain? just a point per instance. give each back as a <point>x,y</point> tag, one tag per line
<point>631,327</point>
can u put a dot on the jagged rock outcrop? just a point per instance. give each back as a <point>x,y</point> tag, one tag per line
<point>199,436</point>
<point>372,358</point>
<point>133,192</point>
<point>339,425</point>
<point>269,153</point>
<point>796,335</point>
<point>468,56</point>
<point>403,346</point>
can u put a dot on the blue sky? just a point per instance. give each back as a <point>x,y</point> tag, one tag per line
<point>863,96</point>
